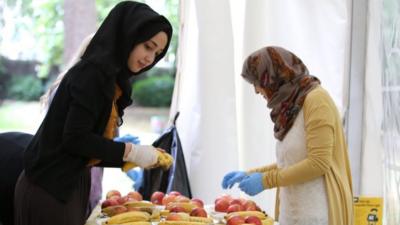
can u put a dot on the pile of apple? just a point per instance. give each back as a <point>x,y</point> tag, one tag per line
<point>114,202</point>
<point>241,211</point>
<point>175,202</point>
<point>227,203</point>
<point>239,220</point>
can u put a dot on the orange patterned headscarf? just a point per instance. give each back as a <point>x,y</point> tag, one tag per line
<point>286,81</point>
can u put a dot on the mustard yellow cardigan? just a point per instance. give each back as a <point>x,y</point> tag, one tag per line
<point>326,156</point>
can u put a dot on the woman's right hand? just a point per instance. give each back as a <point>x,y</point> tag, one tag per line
<point>144,156</point>
<point>233,177</point>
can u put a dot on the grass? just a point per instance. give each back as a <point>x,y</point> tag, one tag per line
<point>19,116</point>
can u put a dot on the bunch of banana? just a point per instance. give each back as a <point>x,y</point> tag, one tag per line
<point>171,222</point>
<point>144,206</point>
<point>114,210</point>
<point>128,166</point>
<point>127,217</point>
<point>259,214</point>
<point>164,159</point>
<point>268,221</point>
<point>188,206</point>
<point>136,223</point>
<point>200,219</point>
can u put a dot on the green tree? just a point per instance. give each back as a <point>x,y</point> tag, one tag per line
<point>46,24</point>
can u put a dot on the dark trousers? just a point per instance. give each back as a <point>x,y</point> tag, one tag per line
<point>34,206</point>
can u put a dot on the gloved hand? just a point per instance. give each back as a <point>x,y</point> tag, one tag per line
<point>137,176</point>
<point>127,138</point>
<point>252,184</point>
<point>233,177</point>
<point>142,155</point>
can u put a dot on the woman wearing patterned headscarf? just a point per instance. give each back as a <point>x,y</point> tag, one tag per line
<point>312,172</point>
<point>83,117</point>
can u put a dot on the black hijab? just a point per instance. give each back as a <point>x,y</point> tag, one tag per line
<point>128,24</point>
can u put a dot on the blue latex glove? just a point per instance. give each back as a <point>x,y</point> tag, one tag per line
<point>137,176</point>
<point>233,177</point>
<point>252,184</point>
<point>127,138</point>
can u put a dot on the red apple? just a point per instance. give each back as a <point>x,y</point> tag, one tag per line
<point>173,216</point>
<point>235,220</point>
<point>200,212</point>
<point>114,197</point>
<point>224,197</point>
<point>167,199</point>
<point>221,205</point>
<point>113,193</point>
<point>253,220</point>
<point>135,195</point>
<point>181,198</point>
<point>235,201</point>
<point>197,202</point>
<point>250,205</point>
<point>157,197</point>
<point>109,202</point>
<point>234,208</point>
<point>176,193</point>
<point>122,200</point>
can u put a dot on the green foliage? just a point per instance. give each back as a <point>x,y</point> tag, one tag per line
<point>26,88</point>
<point>154,91</point>
<point>45,19</point>
<point>3,79</point>
<point>173,16</point>
<point>49,31</point>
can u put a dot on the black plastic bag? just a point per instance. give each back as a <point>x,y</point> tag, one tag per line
<point>173,179</point>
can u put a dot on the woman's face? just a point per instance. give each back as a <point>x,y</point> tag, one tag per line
<point>144,54</point>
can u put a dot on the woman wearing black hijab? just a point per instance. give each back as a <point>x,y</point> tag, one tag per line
<point>83,117</point>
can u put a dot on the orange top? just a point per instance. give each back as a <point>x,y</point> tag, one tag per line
<point>111,129</point>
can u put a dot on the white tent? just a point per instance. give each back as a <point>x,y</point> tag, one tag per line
<point>224,126</point>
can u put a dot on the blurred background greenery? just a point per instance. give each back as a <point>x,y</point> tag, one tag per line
<point>39,38</point>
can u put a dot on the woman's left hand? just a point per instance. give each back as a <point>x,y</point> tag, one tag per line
<point>252,184</point>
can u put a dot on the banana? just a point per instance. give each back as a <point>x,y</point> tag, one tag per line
<point>201,219</point>
<point>175,222</point>
<point>132,216</point>
<point>114,210</point>
<point>268,221</point>
<point>128,166</point>
<point>136,223</point>
<point>164,213</point>
<point>188,206</point>
<point>164,160</point>
<point>259,214</point>
<point>138,204</point>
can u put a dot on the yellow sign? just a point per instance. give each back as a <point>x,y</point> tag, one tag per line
<point>368,210</point>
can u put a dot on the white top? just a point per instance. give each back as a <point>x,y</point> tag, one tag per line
<point>305,203</point>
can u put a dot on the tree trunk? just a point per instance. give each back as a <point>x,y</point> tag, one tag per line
<point>79,21</point>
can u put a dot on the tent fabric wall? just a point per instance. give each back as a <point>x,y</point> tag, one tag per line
<point>372,154</point>
<point>205,95</point>
<point>224,126</point>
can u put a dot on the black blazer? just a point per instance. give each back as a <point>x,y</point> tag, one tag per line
<point>71,132</point>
